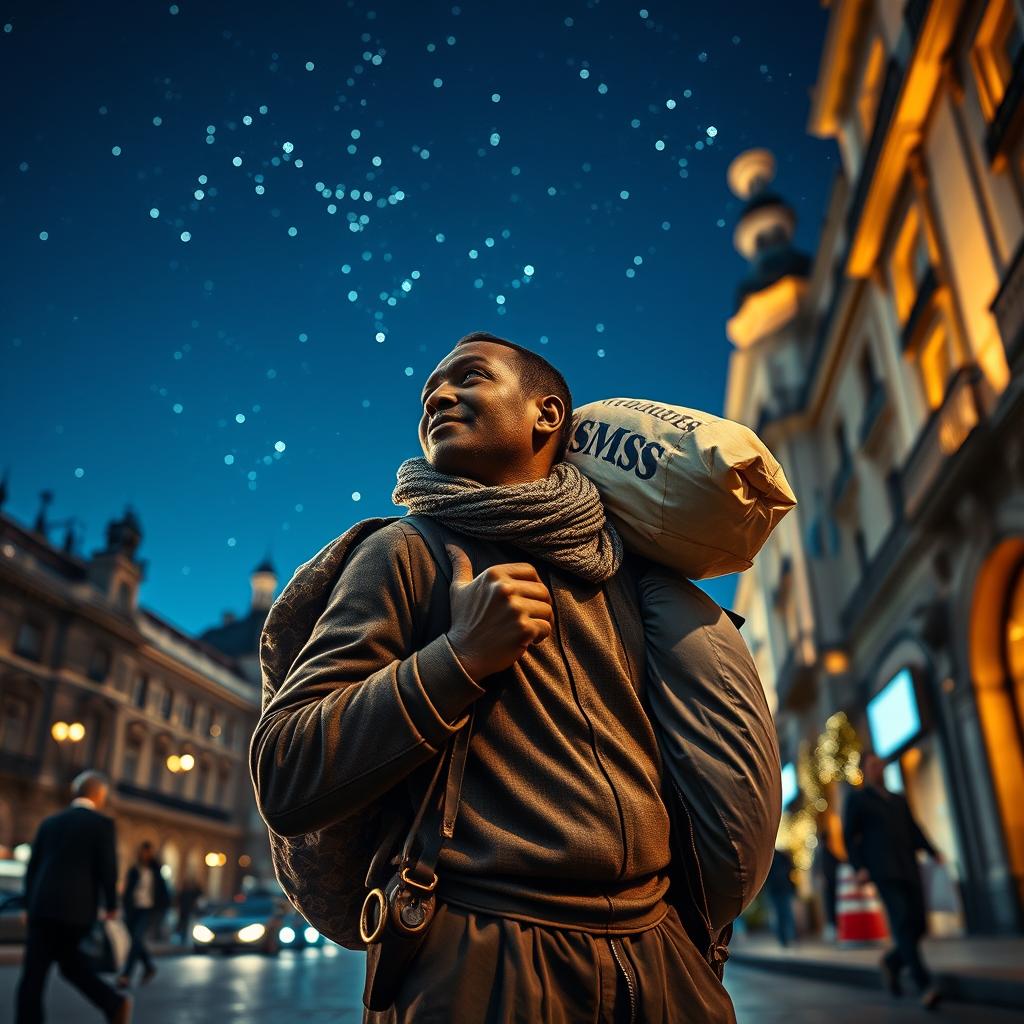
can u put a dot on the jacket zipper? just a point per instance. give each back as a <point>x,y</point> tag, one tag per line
<point>629,981</point>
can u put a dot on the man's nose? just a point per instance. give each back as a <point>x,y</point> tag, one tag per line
<point>440,398</point>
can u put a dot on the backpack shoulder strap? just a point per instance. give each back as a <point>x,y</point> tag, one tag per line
<point>434,536</point>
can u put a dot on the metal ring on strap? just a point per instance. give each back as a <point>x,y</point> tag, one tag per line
<point>382,910</point>
<point>419,885</point>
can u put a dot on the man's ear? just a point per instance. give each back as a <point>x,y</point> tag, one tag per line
<point>551,413</point>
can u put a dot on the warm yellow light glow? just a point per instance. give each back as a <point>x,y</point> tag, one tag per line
<point>202,934</point>
<point>989,57</point>
<point>187,762</point>
<point>76,732</point>
<point>836,662</point>
<point>222,859</point>
<point>59,731</point>
<point>174,763</point>
<point>252,933</point>
<point>244,861</point>
<point>215,730</point>
<point>213,860</point>
<point>766,311</point>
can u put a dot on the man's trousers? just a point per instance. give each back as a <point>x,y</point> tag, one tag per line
<point>476,968</point>
<point>904,906</point>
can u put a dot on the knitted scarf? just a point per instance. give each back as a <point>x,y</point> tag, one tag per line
<point>559,518</point>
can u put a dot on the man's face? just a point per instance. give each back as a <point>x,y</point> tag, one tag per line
<point>476,422</point>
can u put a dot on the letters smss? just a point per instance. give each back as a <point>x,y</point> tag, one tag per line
<point>637,453</point>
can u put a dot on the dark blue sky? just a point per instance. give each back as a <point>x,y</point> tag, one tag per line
<point>198,269</point>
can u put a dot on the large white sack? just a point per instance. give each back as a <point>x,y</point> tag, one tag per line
<point>691,491</point>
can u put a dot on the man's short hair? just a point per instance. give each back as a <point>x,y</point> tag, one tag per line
<point>536,377</point>
<point>89,783</point>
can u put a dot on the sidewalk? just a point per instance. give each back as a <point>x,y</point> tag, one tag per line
<point>982,970</point>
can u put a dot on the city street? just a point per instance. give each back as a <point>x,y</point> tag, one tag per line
<point>325,985</point>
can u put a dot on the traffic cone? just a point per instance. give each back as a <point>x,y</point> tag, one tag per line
<point>859,914</point>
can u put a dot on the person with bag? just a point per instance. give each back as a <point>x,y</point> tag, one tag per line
<point>145,901</point>
<point>485,657</point>
<point>882,839</point>
<point>73,867</point>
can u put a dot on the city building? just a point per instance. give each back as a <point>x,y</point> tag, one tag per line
<point>887,375</point>
<point>90,678</point>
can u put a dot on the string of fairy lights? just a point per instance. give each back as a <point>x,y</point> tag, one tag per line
<point>834,758</point>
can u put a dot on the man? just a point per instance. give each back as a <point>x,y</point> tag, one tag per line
<point>882,838</point>
<point>551,892</point>
<point>73,866</point>
<point>145,900</point>
<point>780,889</point>
<point>188,899</point>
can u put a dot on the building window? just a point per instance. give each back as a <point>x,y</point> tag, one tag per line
<point>871,87</point>
<point>166,703</point>
<point>996,49</point>
<point>157,766</point>
<point>936,362</point>
<point>1015,632</point>
<point>229,733</point>
<point>140,690</point>
<point>29,642</point>
<point>14,725</point>
<point>188,713</point>
<point>99,664</point>
<point>908,263</point>
<point>124,597</point>
<point>131,759</point>
<point>202,782</point>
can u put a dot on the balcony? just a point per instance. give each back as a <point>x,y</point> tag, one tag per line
<point>1007,120</point>
<point>1008,307</point>
<point>941,438</point>
<point>876,412</point>
<point>175,803</point>
<point>841,482</point>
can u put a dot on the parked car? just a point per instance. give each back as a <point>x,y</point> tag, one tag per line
<point>250,923</point>
<point>297,933</point>
<point>12,901</point>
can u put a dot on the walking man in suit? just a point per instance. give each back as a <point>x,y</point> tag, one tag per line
<point>73,866</point>
<point>145,900</point>
<point>882,838</point>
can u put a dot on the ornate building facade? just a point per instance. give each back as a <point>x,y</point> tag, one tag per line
<point>89,678</point>
<point>887,375</point>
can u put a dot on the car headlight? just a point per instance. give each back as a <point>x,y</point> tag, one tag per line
<point>202,934</point>
<point>286,935</point>
<point>311,934</point>
<point>252,933</point>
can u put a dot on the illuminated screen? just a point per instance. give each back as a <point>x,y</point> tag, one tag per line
<point>789,787</point>
<point>892,714</point>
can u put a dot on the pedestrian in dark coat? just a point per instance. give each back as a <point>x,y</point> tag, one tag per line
<point>882,838</point>
<point>188,899</point>
<point>145,901</point>
<point>71,873</point>
<point>552,890</point>
<point>781,889</point>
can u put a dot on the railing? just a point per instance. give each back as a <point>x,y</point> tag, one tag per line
<point>176,803</point>
<point>943,434</point>
<point>873,411</point>
<point>1001,128</point>
<point>1008,307</point>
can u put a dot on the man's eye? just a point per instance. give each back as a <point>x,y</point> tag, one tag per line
<point>468,372</point>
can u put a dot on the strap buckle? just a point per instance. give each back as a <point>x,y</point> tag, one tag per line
<point>412,883</point>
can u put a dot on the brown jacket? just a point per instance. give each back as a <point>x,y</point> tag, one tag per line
<point>562,820</point>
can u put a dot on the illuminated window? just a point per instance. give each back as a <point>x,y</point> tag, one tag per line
<point>871,86</point>
<point>908,263</point>
<point>996,48</point>
<point>936,363</point>
<point>1015,633</point>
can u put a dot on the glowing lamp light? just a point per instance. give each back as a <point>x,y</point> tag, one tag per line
<point>187,762</point>
<point>202,934</point>
<point>76,732</point>
<point>252,933</point>
<point>311,934</point>
<point>213,860</point>
<point>59,731</point>
<point>174,763</point>
<point>286,935</point>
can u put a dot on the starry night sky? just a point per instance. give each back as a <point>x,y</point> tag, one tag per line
<point>238,237</point>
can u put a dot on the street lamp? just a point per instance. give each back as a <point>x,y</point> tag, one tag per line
<point>216,860</point>
<point>180,763</point>
<point>65,734</point>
